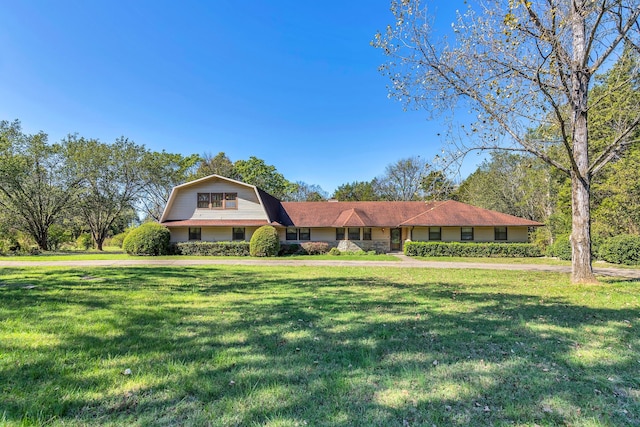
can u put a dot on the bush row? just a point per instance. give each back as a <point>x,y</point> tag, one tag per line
<point>212,248</point>
<point>457,249</point>
<point>620,250</point>
<point>616,250</point>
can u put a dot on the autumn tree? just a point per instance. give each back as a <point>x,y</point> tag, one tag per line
<point>519,65</point>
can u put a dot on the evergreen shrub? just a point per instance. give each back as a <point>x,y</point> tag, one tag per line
<point>150,238</point>
<point>335,252</point>
<point>264,242</point>
<point>84,241</point>
<point>561,248</point>
<point>621,250</point>
<point>458,249</point>
<point>290,249</point>
<point>212,248</point>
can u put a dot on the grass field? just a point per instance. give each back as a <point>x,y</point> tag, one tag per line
<point>276,346</point>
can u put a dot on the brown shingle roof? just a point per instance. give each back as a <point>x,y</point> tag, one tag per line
<point>216,223</point>
<point>394,214</point>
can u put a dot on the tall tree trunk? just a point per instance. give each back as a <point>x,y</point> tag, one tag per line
<point>581,270</point>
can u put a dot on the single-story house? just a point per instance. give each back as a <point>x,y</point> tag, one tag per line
<point>216,208</point>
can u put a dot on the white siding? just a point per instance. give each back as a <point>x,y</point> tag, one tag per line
<point>483,234</point>
<point>179,234</point>
<point>184,205</point>
<point>209,234</point>
<point>450,234</point>
<point>420,234</point>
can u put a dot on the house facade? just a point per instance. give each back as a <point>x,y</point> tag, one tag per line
<point>216,208</point>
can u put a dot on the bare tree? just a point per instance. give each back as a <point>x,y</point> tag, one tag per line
<point>520,65</point>
<point>403,179</point>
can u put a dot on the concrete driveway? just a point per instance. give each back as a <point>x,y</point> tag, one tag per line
<point>405,262</point>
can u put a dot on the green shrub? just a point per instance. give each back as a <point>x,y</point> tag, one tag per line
<point>561,248</point>
<point>264,242</point>
<point>335,252</point>
<point>212,248</point>
<point>315,248</point>
<point>458,249</point>
<point>290,249</point>
<point>621,250</point>
<point>118,239</point>
<point>57,236</point>
<point>84,241</point>
<point>150,238</point>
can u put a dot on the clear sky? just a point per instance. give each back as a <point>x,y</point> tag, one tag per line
<point>292,82</point>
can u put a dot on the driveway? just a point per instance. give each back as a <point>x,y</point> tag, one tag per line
<point>405,262</point>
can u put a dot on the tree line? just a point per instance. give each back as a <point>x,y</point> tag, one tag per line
<point>57,191</point>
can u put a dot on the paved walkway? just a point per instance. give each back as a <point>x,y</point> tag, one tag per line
<point>405,262</point>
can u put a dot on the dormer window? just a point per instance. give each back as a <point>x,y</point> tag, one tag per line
<point>217,200</point>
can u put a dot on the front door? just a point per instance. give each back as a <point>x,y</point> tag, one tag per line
<point>396,239</point>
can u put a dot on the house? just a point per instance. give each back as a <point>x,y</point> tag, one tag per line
<point>216,208</point>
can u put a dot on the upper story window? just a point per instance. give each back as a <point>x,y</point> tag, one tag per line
<point>500,233</point>
<point>217,200</point>
<point>203,200</point>
<point>466,233</point>
<point>435,233</point>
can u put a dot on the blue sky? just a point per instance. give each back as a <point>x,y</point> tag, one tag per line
<point>292,82</point>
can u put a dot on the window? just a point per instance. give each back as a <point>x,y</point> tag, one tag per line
<point>366,233</point>
<point>298,233</point>
<point>230,200</point>
<point>305,234</point>
<point>339,233</point>
<point>203,200</point>
<point>292,233</point>
<point>435,233</point>
<point>216,200</point>
<point>466,233</point>
<point>195,233</point>
<point>238,234</point>
<point>500,233</point>
<point>354,233</point>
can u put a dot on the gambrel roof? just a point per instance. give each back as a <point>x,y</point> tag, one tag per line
<point>333,214</point>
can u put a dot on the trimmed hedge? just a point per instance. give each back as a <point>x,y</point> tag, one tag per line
<point>290,249</point>
<point>264,242</point>
<point>457,249</point>
<point>621,250</point>
<point>150,238</point>
<point>212,248</point>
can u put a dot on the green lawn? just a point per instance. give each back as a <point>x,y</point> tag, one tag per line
<point>276,346</point>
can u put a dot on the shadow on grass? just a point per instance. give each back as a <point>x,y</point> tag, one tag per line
<point>248,346</point>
